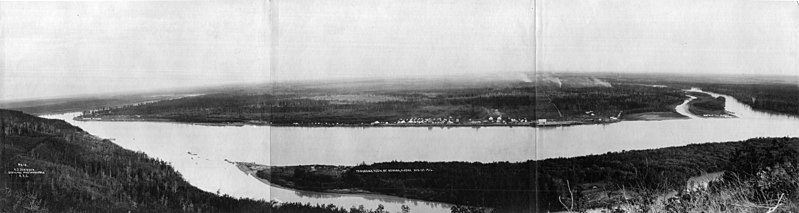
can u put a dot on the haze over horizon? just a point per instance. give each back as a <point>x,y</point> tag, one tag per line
<point>68,48</point>
<point>680,36</point>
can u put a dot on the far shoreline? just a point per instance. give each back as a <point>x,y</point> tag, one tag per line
<point>642,116</point>
<point>259,123</point>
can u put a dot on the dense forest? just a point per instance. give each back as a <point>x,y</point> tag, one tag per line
<point>604,102</point>
<point>51,166</point>
<point>594,181</point>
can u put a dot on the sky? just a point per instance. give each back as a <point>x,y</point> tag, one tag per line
<point>674,36</point>
<point>324,39</point>
<point>68,48</point>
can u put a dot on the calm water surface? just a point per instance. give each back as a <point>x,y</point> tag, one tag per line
<point>632,135</point>
<point>199,152</point>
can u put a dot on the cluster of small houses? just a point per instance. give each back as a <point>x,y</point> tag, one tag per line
<point>88,115</point>
<point>450,120</point>
<point>90,112</point>
<point>593,117</point>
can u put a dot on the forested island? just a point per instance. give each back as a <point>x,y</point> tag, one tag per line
<point>51,166</point>
<point>756,173</point>
<point>705,105</point>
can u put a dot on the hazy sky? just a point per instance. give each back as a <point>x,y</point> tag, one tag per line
<point>698,36</point>
<point>384,38</point>
<point>87,47</point>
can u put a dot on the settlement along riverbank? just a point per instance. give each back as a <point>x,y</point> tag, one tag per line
<point>351,146</point>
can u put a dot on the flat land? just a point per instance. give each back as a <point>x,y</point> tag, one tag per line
<point>563,99</point>
<point>571,98</point>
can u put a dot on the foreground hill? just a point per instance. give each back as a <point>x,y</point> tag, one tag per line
<point>51,166</point>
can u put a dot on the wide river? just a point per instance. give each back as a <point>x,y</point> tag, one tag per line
<point>198,152</point>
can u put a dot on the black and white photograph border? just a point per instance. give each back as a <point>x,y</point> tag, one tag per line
<point>376,106</point>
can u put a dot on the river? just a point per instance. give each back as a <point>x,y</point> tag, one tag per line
<point>198,152</point>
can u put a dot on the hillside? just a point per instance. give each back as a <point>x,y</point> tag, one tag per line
<point>51,166</point>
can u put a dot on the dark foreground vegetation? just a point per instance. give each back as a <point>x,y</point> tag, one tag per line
<point>51,166</point>
<point>757,173</point>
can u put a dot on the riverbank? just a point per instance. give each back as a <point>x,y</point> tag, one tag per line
<point>266,123</point>
<point>643,116</point>
<point>551,123</point>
